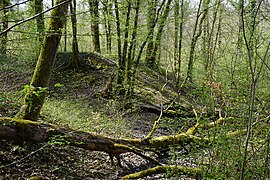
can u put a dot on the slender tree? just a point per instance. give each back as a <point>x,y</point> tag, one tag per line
<point>179,59</point>
<point>197,31</point>
<point>152,6</point>
<point>121,64</point>
<point>107,13</point>
<point>75,51</point>
<point>132,49</point>
<point>212,39</point>
<point>176,32</point>
<point>256,61</point>
<point>94,6</point>
<point>36,92</point>
<point>157,40</point>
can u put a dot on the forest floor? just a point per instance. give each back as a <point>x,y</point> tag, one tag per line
<point>74,100</point>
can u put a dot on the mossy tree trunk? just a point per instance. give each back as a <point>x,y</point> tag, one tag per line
<point>36,92</point>
<point>39,19</point>
<point>176,32</point>
<point>179,58</point>
<point>121,64</point>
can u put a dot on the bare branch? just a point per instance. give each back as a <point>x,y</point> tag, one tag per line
<point>32,17</point>
<point>16,4</point>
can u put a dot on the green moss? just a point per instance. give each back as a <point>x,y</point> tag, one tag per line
<point>35,178</point>
<point>18,122</point>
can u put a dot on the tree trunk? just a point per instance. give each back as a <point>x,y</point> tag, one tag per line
<point>131,52</point>
<point>20,130</point>
<point>40,20</point>
<point>179,59</point>
<point>176,36</point>
<point>35,95</point>
<point>126,34</point>
<point>74,62</point>
<point>151,28</point>
<point>121,64</point>
<point>212,41</point>
<point>159,34</point>
<point>94,4</point>
<point>107,13</point>
<point>195,37</point>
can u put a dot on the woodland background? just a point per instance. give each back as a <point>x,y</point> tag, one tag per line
<point>178,83</point>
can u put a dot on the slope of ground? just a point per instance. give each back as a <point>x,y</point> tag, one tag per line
<point>72,101</point>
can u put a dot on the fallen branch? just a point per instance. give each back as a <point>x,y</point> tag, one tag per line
<point>192,130</point>
<point>155,126</point>
<point>191,172</point>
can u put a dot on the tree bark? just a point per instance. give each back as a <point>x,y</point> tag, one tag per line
<point>35,96</point>
<point>26,130</point>
<point>179,59</point>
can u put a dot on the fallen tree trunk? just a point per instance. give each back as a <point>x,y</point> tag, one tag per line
<point>20,130</point>
<point>25,130</point>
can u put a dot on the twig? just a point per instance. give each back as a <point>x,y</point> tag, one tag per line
<point>20,160</point>
<point>155,125</point>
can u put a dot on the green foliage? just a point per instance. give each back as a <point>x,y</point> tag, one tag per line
<point>33,92</point>
<point>58,85</point>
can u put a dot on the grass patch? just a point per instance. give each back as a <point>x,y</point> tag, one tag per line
<point>79,115</point>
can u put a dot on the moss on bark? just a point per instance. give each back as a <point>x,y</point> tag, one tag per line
<point>35,96</point>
